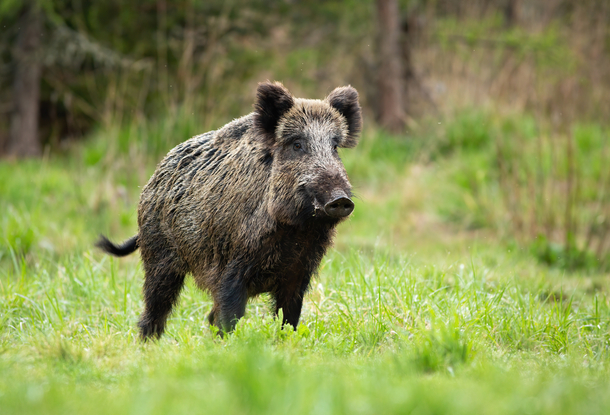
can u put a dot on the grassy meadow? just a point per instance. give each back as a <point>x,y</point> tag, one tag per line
<point>426,304</point>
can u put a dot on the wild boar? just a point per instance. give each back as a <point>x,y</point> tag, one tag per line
<point>247,209</point>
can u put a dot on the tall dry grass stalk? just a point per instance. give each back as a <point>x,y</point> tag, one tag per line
<point>553,197</point>
<point>551,63</point>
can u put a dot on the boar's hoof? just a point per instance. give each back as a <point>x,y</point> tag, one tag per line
<point>339,208</point>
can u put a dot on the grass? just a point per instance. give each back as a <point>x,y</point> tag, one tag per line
<point>404,317</point>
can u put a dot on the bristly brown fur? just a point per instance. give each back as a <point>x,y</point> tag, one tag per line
<point>242,208</point>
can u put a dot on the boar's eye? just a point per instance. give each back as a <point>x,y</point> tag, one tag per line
<point>297,146</point>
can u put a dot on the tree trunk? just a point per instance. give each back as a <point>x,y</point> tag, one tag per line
<point>23,140</point>
<point>512,13</point>
<point>391,115</point>
<point>413,90</point>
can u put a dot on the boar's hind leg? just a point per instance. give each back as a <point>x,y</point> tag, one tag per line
<point>289,298</point>
<point>162,287</point>
<point>230,300</point>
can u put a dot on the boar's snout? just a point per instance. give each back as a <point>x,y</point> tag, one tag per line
<point>340,206</point>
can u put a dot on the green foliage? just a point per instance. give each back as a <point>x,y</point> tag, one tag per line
<point>380,156</point>
<point>18,236</point>
<point>516,175</point>
<point>471,131</point>
<point>558,255</point>
<point>442,350</point>
<point>548,47</point>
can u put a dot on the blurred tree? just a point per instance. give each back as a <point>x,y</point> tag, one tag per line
<point>512,12</point>
<point>390,75</point>
<point>417,100</point>
<point>23,138</point>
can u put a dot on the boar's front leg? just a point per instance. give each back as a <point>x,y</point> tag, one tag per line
<point>289,297</point>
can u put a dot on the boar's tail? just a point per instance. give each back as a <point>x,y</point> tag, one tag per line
<point>126,248</point>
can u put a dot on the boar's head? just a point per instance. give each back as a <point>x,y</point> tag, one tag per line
<point>302,137</point>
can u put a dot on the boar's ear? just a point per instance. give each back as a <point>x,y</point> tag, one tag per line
<point>345,100</point>
<point>272,101</point>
